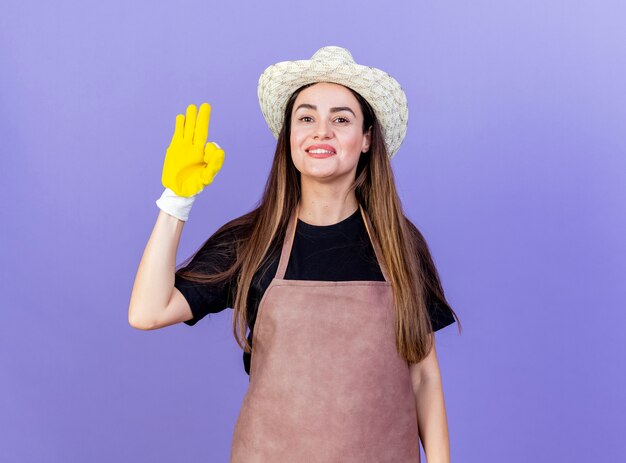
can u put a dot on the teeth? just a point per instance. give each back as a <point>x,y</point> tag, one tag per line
<point>320,151</point>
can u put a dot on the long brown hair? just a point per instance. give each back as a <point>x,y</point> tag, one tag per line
<point>410,267</point>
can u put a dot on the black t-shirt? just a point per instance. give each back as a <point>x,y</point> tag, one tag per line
<point>338,252</point>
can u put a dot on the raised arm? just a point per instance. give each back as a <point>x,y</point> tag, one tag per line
<point>151,304</point>
<point>190,164</point>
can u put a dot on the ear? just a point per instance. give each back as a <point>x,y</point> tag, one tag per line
<point>367,140</point>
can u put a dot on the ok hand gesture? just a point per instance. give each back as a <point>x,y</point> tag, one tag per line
<point>190,162</point>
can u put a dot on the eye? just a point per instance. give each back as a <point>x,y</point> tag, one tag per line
<point>341,120</point>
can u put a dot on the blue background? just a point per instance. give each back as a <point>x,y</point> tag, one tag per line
<point>513,167</point>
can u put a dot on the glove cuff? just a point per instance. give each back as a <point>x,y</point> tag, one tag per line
<point>174,205</point>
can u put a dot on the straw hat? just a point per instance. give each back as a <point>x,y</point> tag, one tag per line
<point>335,64</point>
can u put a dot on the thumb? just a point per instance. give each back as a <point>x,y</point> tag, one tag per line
<point>210,150</point>
<point>214,164</point>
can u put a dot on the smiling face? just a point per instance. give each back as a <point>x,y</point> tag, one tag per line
<point>327,116</point>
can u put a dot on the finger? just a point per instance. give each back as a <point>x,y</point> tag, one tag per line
<point>178,129</point>
<point>208,174</point>
<point>209,151</point>
<point>190,122</point>
<point>202,125</point>
<point>214,165</point>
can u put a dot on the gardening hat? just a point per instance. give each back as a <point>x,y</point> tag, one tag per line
<point>335,64</point>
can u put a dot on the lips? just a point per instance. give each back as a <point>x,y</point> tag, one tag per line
<point>321,147</point>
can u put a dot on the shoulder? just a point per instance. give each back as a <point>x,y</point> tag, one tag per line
<point>233,231</point>
<point>221,247</point>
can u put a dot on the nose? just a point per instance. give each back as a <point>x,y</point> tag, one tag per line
<point>323,130</point>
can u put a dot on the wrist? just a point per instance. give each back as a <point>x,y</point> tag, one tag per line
<point>174,205</point>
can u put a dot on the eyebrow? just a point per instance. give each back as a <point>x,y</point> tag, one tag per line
<point>332,110</point>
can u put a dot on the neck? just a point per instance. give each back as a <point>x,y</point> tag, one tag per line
<point>326,204</point>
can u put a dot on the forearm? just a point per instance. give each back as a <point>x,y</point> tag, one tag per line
<point>432,420</point>
<point>154,281</point>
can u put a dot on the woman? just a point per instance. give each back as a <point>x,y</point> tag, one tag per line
<point>335,285</point>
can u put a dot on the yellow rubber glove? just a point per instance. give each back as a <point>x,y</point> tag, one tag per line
<point>190,165</point>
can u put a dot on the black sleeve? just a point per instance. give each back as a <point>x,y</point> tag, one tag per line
<point>440,314</point>
<point>216,254</point>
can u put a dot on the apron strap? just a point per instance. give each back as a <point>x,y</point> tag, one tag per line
<point>287,243</point>
<point>377,251</point>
